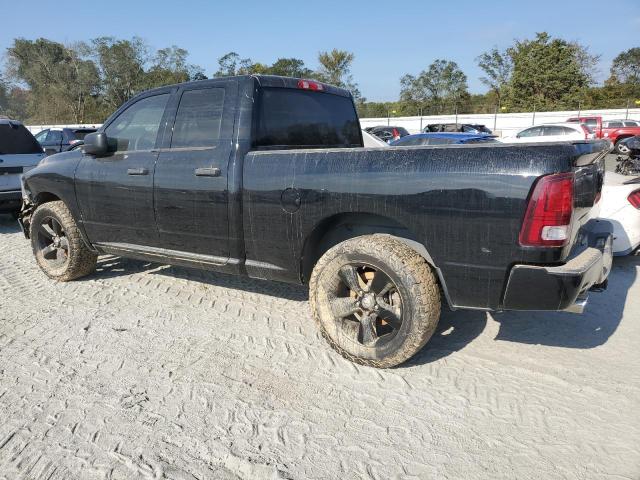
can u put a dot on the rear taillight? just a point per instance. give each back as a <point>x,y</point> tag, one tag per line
<point>634,199</point>
<point>310,85</point>
<point>547,222</point>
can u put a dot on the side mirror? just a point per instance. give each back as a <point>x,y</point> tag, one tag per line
<point>96,144</point>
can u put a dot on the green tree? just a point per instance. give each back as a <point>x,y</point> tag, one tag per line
<point>231,64</point>
<point>4,97</point>
<point>121,64</point>
<point>497,67</point>
<point>62,81</point>
<point>169,66</point>
<point>289,67</point>
<point>548,73</point>
<point>441,85</point>
<point>335,68</point>
<point>626,67</point>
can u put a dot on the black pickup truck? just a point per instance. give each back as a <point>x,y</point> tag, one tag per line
<point>267,177</point>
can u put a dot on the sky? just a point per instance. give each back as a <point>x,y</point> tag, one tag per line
<point>389,39</point>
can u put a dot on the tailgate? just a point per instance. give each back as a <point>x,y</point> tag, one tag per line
<point>13,166</point>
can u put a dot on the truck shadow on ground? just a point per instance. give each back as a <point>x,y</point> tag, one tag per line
<point>555,329</point>
<point>588,330</point>
<point>111,266</point>
<point>8,224</point>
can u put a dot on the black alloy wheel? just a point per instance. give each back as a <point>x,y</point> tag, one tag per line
<point>367,303</point>
<point>52,242</point>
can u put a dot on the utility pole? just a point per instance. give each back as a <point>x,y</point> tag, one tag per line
<point>533,119</point>
<point>627,115</point>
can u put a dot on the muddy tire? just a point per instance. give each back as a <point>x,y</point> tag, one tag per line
<point>621,148</point>
<point>57,244</point>
<point>375,300</point>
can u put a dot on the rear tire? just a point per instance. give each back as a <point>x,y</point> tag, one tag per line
<point>57,244</point>
<point>375,300</point>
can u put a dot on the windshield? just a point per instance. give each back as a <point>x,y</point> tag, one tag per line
<point>290,118</point>
<point>16,139</point>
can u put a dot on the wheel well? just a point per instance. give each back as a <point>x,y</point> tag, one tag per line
<point>45,197</point>
<point>622,137</point>
<point>341,227</point>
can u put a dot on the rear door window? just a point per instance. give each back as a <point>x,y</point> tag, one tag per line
<point>15,139</point>
<point>530,132</point>
<point>553,131</point>
<point>614,125</point>
<point>289,118</point>
<point>198,118</point>
<point>54,137</point>
<point>630,124</point>
<point>80,134</point>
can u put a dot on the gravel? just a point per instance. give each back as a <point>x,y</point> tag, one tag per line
<point>150,371</point>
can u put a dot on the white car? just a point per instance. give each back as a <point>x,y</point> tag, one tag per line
<point>552,132</point>
<point>620,205</point>
<point>371,141</point>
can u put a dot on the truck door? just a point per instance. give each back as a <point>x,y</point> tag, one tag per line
<point>191,193</point>
<point>115,192</point>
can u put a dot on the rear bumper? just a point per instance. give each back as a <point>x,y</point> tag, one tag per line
<point>10,201</point>
<point>564,287</point>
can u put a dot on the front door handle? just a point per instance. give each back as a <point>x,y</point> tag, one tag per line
<point>207,172</point>
<point>137,171</point>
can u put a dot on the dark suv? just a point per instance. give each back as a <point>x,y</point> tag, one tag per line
<point>55,140</point>
<point>19,153</point>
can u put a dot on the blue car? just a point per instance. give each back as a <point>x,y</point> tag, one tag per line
<point>443,138</point>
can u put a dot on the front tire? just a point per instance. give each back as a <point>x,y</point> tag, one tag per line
<point>621,148</point>
<point>57,244</point>
<point>375,300</point>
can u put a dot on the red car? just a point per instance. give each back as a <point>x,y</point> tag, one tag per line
<point>613,130</point>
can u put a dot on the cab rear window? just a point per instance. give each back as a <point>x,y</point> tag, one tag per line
<point>289,118</point>
<point>16,139</point>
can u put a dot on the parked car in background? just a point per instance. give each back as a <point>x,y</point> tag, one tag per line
<point>613,130</point>
<point>55,140</point>
<point>371,141</point>
<point>443,139</point>
<point>457,127</point>
<point>620,205</point>
<point>552,132</point>
<point>19,153</point>
<point>387,133</point>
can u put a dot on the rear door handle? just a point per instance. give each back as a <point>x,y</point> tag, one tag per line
<point>207,172</point>
<point>137,171</point>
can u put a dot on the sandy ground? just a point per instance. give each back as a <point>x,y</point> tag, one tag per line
<point>149,371</point>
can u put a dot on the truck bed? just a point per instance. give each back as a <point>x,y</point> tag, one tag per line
<point>464,203</point>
